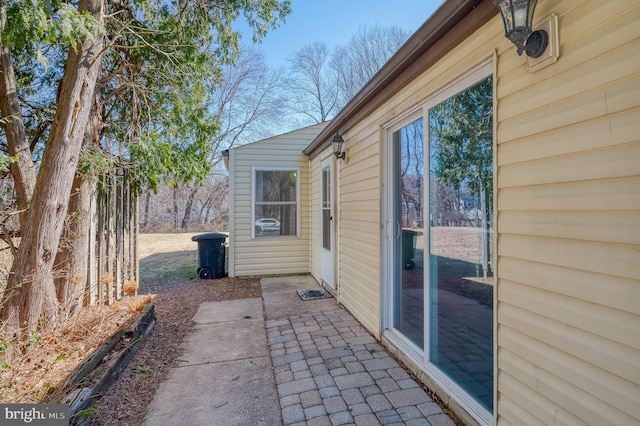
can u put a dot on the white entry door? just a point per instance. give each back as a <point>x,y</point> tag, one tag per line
<point>327,267</point>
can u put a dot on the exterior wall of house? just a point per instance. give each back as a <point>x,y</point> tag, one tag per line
<point>569,222</point>
<point>567,214</point>
<point>359,251</point>
<point>268,255</point>
<point>358,209</point>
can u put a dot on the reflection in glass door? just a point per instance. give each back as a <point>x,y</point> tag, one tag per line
<point>445,181</point>
<point>408,229</point>
<point>460,235</point>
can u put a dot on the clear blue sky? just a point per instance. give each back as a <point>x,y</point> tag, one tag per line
<point>335,21</point>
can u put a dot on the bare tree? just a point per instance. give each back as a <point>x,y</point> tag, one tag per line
<point>363,55</point>
<point>209,207</point>
<point>214,206</point>
<point>320,82</point>
<point>247,100</point>
<point>312,84</point>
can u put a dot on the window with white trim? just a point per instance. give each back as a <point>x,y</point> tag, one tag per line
<point>275,211</point>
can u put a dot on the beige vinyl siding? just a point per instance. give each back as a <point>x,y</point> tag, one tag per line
<point>569,222</point>
<point>269,255</point>
<point>359,227</point>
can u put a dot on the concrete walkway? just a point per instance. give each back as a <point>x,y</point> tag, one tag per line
<point>283,361</point>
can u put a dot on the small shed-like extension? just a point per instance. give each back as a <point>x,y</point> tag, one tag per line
<point>269,205</point>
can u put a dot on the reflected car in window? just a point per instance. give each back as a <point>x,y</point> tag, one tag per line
<point>267,226</point>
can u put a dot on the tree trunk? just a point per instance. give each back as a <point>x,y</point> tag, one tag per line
<point>147,202</point>
<point>175,208</point>
<point>31,296</point>
<point>73,256</point>
<point>23,170</point>
<point>187,208</point>
<point>205,210</point>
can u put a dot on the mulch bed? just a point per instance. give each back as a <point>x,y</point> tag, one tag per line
<point>126,401</point>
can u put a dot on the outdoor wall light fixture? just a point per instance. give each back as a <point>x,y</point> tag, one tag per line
<point>336,144</point>
<point>517,16</point>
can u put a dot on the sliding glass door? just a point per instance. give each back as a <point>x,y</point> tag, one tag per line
<point>408,231</point>
<point>441,233</point>
<point>460,235</point>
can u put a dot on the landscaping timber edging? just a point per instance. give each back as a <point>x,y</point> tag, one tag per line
<point>105,365</point>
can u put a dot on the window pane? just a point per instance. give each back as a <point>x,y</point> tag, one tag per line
<point>276,186</point>
<point>409,227</point>
<point>326,208</point>
<point>275,220</point>
<point>326,188</point>
<point>460,256</point>
<point>326,227</point>
<point>276,206</point>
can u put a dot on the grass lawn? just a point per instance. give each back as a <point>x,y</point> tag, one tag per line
<point>166,259</point>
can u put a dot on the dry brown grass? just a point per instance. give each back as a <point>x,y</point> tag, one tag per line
<point>165,243</point>
<point>460,243</point>
<point>36,370</point>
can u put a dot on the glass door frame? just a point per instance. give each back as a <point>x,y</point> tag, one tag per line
<point>419,356</point>
<point>391,229</point>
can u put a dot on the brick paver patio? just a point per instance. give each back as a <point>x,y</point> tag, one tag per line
<point>330,371</point>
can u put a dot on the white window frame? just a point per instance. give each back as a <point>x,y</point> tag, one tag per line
<point>254,171</point>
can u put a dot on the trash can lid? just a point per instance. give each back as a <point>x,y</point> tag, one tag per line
<point>209,236</point>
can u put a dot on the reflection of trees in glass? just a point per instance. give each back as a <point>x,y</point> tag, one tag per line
<point>276,198</point>
<point>461,143</point>
<point>412,171</point>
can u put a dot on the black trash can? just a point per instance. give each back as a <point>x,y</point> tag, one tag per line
<point>210,255</point>
<point>408,248</point>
